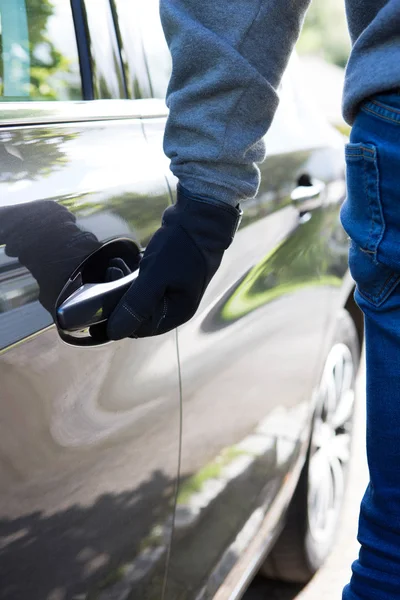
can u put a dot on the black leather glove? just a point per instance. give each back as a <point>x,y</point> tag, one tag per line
<point>177,266</point>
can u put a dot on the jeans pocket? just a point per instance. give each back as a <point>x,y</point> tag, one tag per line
<point>375,281</point>
<point>363,219</point>
<point>361,214</point>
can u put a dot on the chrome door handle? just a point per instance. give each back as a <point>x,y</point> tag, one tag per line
<point>88,300</point>
<point>307,197</point>
<point>92,303</point>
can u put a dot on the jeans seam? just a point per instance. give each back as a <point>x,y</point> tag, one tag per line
<point>369,203</point>
<point>392,280</point>
<point>377,225</point>
<point>379,115</point>
<point>374,222</point>
<point>386,107</point>
<point>354,152</point>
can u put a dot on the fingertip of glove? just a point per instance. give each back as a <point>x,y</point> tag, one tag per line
<point>123,323</point>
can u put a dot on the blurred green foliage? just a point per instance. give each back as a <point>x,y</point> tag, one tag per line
<point>325,32</point>
<point>49,68</point>
<point>39,11</point>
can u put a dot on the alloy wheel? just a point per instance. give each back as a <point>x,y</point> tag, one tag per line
<point>331,443</point>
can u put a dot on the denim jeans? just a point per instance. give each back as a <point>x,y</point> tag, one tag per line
<point>371,217</point>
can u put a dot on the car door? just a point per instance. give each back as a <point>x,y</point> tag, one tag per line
<point>90,437</point>
<point>250,359</point>
<point>250,362</point>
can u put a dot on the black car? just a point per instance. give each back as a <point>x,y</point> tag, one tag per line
<point>177,466</point>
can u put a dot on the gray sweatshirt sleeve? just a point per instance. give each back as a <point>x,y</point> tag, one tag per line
<point>228,59</point>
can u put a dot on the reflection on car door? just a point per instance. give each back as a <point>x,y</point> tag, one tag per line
<point>90,438</point>
<point>249,361</point>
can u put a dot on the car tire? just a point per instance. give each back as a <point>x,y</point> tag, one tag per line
<point>312,516</point>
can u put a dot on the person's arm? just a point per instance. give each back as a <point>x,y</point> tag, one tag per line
<point>228,60</point>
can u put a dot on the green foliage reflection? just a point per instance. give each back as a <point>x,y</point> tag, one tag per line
<point>52,74</point>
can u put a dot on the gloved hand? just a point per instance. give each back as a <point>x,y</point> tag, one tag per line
<point>177,266</point>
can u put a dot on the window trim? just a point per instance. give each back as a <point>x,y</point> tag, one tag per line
<point>120,47</point>
<point>92,55</point>
<point>82,41</point>
<point>70,111</point>
<point>126,63</point>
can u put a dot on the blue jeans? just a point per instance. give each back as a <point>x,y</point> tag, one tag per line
<point>371,217</point>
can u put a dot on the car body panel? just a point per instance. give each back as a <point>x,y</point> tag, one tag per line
<point>90,438</point>
<point>98,466</point>
<point>250,362</point>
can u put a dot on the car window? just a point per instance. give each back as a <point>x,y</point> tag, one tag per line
<point>157,54</point>
<point>298,123</point>
<point>106,61</point>
<point>38,51</point>
<point>145,50</point>
<point>127,17</point>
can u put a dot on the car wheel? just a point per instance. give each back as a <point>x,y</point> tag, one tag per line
<point>313,514</point>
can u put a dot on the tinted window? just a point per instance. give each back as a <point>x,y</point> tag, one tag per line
<point>128,23</point>
<point>144,48</point>
<point>38,51</point>
<point>106,61</point>
<point>156,49</point>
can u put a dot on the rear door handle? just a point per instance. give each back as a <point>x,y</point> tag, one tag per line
<point>308,197</point>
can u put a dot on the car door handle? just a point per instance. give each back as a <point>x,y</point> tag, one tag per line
<point>92,303</point>
<point>308,197</point>
<point>88,300</point>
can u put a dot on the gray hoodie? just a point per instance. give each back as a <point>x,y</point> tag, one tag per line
<point>228,60</point>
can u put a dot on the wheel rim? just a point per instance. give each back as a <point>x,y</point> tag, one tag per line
<point>331,443</point>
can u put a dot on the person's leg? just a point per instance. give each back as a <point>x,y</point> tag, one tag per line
<point>371,217</point>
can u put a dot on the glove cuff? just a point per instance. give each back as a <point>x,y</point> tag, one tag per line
<point>209,218</point>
